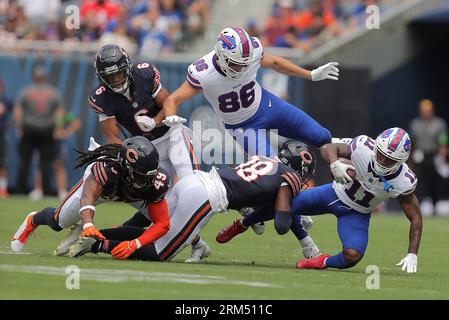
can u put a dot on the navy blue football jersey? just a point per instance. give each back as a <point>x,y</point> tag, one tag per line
<point>146,85</point>
<point>115,189</point>
<point>256,183</point>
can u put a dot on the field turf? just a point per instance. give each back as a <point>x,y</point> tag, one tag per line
<point>249,267</point>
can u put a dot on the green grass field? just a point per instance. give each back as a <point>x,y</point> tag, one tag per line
<point>249,267</point>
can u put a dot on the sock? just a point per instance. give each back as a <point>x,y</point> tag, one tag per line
<point>196,240</point>
<point>306,241</point>
<point>46,217</point>
<point>259,215</point>
<point>122,233</point>
<point>337,261</point>
<point>298,230</point>
<point>3,183</point>
<point>137,220</point>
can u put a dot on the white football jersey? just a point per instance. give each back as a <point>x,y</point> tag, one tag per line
<point>233,100</point>
<point>367,191</point>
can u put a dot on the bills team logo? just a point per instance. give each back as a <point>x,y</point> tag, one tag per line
<point>131,155</point>
<point>227,42</point>
<point>386,133</point>
<point>407,145</point>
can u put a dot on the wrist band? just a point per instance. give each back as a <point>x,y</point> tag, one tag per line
<point>88,225</point>
<point>87,207</point>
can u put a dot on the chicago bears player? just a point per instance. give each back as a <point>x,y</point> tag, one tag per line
<point>261,182</point>
<point>227,77</point>
<point>132,96</point>
<point>127,172</point>
<point>381,174</point>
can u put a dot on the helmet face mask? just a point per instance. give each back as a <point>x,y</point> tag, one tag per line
<point>142,180</point>
<point>235,52</point>
<point>114,68</point>
<point>391,150</point>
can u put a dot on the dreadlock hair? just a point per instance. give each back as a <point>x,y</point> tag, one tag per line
<point>108,153</point>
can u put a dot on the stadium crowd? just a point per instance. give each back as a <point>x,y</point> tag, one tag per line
<point>152,26</point>
<point>307,24</point>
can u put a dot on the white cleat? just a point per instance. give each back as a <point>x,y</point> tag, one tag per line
<point>23,233</point>
<point>306,222</point>
<point>259,227</point>
<point>200,251</point>
<point>64,246</point>
<point>311,251</point>
<point>81,247</point>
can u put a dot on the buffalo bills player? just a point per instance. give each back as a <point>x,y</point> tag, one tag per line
<point>227,77</point>
<point>261,181</point>
<point>127,172</point>
<point>381,174</point>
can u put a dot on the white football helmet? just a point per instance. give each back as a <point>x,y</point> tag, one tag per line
<point>391,150</point>
<point>235,52</point>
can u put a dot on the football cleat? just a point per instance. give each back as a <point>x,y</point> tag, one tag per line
<point>318,262</point>
<point>200,251</point>
<point>64,246</point>
<point>23,233</point>
<point>81,247</point>
<point>259,227</point>
<point>229,232</point>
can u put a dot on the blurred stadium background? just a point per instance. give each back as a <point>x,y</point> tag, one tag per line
<point>385,72</point>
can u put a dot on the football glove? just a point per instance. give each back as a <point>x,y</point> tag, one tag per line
<point>328,71</point>
<point>89,231</point>
<point>171,121</point>
<point>409,263</point>
<point>125,249</point>
<point>338,170</point>
<point>145,123</point>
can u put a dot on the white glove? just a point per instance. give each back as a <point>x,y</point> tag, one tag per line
<point>145,123</point>
<point>410,262</point>
<point>171,121</point>
<point>93,144</point>
<point>328,71</point>
<point>338,169</point>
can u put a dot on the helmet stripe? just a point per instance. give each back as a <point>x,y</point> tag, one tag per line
<point>396,140</point>
<point>245,42</point>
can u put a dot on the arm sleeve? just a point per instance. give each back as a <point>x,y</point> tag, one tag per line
<point>192,78</point>
<point>292,180</point>
<point>158,213</point>
<point>157,86</point>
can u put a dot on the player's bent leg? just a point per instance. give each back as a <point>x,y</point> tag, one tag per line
<point>181,151</point>
<point>294,123</point>
<point>137,220</point>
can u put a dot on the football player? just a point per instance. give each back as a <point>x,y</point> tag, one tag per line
<point>381,174</point>
<point>261,181</point>
<point>227,77</point>
<point>127,172</point>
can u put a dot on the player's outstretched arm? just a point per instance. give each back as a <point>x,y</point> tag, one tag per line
<point>158,213</point>
<point>410,205</point>
<point>183,93</point>
<point>110,130</point>
<point>283,217</point>
<point>282,65</point>
<point>91,192</point>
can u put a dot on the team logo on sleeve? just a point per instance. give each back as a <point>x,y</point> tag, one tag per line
<point>227,42</point>
<point>131,155</point>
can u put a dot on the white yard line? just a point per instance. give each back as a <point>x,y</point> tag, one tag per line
<point>117,276</point>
